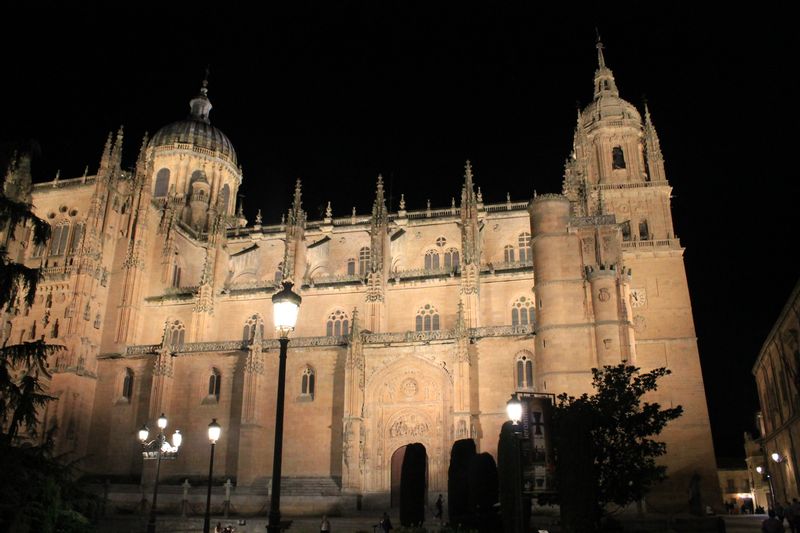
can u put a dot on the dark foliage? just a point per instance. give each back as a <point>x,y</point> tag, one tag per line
<point>510,476</point>
<point>413,485</point>
<point>483,492</point>
<point>604,450</point>
<point>461,455</point>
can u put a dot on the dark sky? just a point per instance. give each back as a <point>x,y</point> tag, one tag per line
<point>337,94</point>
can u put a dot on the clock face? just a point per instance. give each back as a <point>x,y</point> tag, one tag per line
<point>638,297</point>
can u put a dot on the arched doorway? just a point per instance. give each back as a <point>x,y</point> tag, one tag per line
<point>409,474</point>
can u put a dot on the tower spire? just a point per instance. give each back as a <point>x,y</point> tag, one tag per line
<point>200,105</point>
<point>604,84</point>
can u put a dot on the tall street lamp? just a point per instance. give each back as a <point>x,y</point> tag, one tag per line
<point>214,431</point>
<point>285,306</point>
<point>763,471</point>
<point>157,449</point>
<point>514,411</point>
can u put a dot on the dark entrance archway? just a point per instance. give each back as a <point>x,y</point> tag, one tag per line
<point>409,488</point>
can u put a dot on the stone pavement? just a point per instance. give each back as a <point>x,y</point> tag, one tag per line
<point>362,522</point>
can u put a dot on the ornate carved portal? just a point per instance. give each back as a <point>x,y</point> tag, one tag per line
<point>409,400</point>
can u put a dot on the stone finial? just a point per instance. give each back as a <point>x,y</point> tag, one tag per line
<point>402,202</point>
<point>258,217</point>
<point>354,211</point>
<point>328,210</point>
<point>56,178</point>
<point>480,196</point>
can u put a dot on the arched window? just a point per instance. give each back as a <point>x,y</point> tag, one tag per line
<point>54,331</point>
<point>307,383</point>
<point>97,321</point>
<point>279,273</point>
<point>127,384</point>
<point>214,383</point>
<point>162,183</point>
<point>508,254</point>
<point>176,275</point>
<point>523,311</point>
<point>351,267</point>
<point>48,302</point>
<point>644,230</point>
<point>176,334</point>
<point>75,241</point>
<point>337,324</point>
<point>626,230</point>
<point>224,197</point>
<point>249,330</point>
<point>618,157</point>
<point>427,319</point>
<point>33,330</point>
<point>363,260</point>
<point>431,260</point>
<point>524,371</point>
<point>58,242</point>
<point>524,246</point>
<point>451,259</point>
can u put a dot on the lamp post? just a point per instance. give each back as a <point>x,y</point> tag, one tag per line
<point>514,411</point>
<point>285,306</point>
<point>214,431</point>
<point>157,449</point>
<point>765,472</point>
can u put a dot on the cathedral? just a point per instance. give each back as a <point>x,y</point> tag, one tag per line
<point>416,326</point>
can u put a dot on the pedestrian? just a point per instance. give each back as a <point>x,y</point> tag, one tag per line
<point>386,523</point>
<point>218,528</point>
<point>772,524</point>
<point>439,505</point>
<point>779,512</point>
<point>325,525</point>
<point>788,513</point>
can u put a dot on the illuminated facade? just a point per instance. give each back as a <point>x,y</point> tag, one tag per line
<point>416,325</point>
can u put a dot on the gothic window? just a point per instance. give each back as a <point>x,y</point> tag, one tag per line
<point>58,242</point>
<point>38,250</point>
<point>337,324</point>
<point>644,230</point>
<point>524,371</point>
<point>427,319</point>
<point>451,259</point>
<point>618,157</point>
<point>127,384</point>
<point>224,196</point>
<point>176,334</point>
<point>249,330</point>
<point>524,246</point>
<point>508,254</point>
<point>176,275</point>
<point>33,330</point>
<point>626,230</point>
<point>351,267</point>
<point>307,383</point>
<point>97,321</point>
<point>431,260</point>
<point>363,260</point>
<point>214,382</point>
<point>48,302</point>
<point>54,331</point>
<point>162,183</point>
<point>75,241</point>
<point>440,242</point>
<point>279,273</point>
<point>522,311</point>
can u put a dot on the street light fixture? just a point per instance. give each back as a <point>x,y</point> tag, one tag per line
<point>514,412</point>
<point>214,431</point>
<point>285,307</point>
<point>778,458</point>
<point>157,449</point>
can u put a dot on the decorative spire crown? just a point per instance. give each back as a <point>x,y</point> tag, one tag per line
<point>200,105</point>
<point>604,84</point>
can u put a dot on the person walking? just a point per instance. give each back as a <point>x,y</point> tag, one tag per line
<point>325,525</point>
<point>386,523</point>
<point>772,524</point>
<point>439,505</point>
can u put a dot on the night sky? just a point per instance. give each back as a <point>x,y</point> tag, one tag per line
<point>336,94</point>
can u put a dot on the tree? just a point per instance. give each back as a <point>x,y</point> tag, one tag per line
<point>605,450</point>
<point>37,492</point>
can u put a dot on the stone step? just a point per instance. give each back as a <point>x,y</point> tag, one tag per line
<point>310,486</point>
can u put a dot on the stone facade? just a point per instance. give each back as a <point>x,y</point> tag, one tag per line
<point>416,325</point>
<point>776,374</point>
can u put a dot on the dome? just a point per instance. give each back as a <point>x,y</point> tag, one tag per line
<point>609,107</point>
<point>196,129</point>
